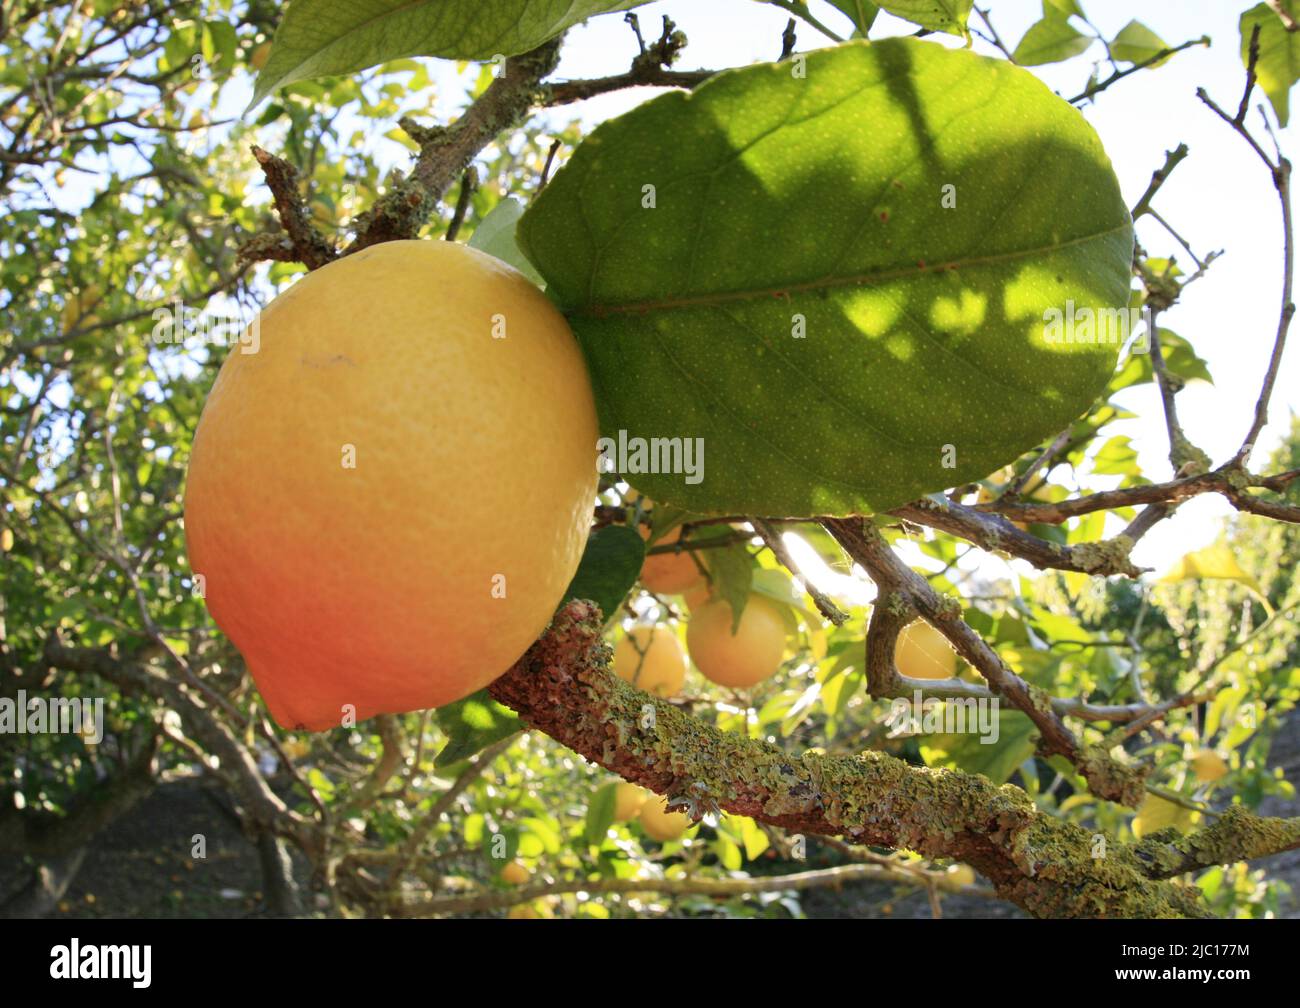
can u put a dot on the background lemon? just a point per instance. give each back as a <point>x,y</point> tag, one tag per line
<point>922,652</point>
<point>660,824</point>
<point>628,799</point>
<point>651,658</point>
<point>749,656</point>
<point>515,873</point>
<point>342,502</point>
<point>670,573</point>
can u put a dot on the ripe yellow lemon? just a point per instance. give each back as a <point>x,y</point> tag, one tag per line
<point>344,488</point>
<point>523,911</point>
<point>515,873</point>
<point>660,824</point>
<point>922,652</point>
<point>651,658</point>
<point>1208,766</point>
<point>628,799</point>
<point>749,656</point>
<point>670,573</point>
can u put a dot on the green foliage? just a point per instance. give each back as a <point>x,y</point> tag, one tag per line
<point>319,38</point>
<point>908,305</point>
<point>608,568</point>
<point>1278,65</point>
<point>939,15</point>
<point>123,195</point>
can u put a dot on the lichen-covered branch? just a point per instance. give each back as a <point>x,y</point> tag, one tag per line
<point>1236,835</point>
<point>563,687</point>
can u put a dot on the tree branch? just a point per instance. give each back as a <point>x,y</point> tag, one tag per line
<point>563,687</point>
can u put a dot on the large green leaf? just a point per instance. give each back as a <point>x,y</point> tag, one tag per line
<point>780,198</point>
<point>317,38</point>
<point>1278,66</point>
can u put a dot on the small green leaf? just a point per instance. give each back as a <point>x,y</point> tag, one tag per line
<point>472,725</point>
<point>732,571</point>
<point>938,15</point>
<point>1278,66</point>
<point>495,235</point>
<point>1062,8</point>
<point>609,567</point>
<point>1136,43</point>
<point>600,814</point>
<point>861,12</point>
<point>1049,41</point>
<point>1216,562</point>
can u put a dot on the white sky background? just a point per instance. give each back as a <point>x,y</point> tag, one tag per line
<point>1220,197</point>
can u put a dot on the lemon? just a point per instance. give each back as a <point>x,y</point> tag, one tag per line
<point>651,658</point>
<point>922,652</point>
<point>343,498</point>
<point>747,657</point>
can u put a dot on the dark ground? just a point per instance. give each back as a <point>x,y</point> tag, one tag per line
<point>141,865</point>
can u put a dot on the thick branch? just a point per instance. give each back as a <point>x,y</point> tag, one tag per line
<point>563,687</point>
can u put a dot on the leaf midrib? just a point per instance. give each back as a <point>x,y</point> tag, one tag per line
<point>711,299</point>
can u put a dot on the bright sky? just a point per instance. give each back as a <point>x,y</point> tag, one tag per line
<point>1219,198</point>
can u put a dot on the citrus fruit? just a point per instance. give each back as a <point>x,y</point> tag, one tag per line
<point>628,799</point>
<point>523,912</point>
<point>343,497</point>
<point>922,652</point>
<point>670,573</point>
<point>750,655</point>
<point>660,824</point>
<point>651,658</point>
<point>515,873</point>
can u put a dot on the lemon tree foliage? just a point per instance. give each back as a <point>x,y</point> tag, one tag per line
<point>796,246</point>
<point>124,202</point>
<point>321,37</point>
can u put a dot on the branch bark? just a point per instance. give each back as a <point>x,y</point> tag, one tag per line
<point>563,687</point>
